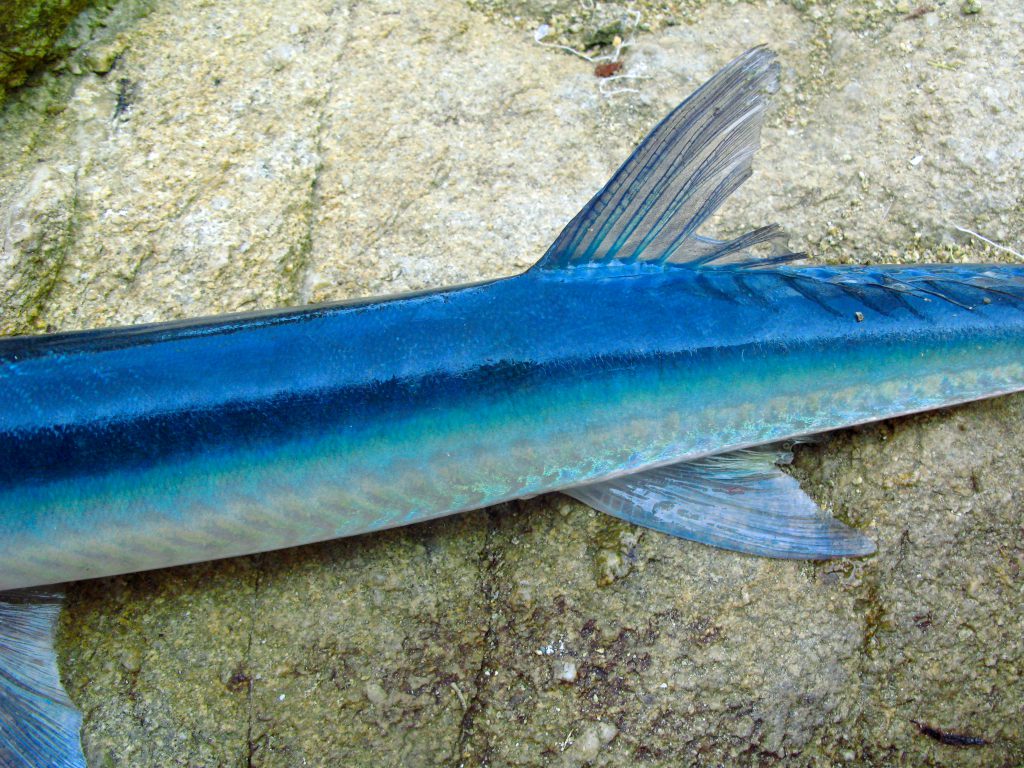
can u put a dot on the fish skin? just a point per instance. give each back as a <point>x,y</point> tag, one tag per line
<point>136,448</point>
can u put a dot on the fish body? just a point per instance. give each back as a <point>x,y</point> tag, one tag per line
<point>123,450</point>
<point>641,367</point>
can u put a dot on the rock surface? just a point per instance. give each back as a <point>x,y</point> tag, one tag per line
<point>36,34</point>
<point>29,32</point>
<point>235,156</point>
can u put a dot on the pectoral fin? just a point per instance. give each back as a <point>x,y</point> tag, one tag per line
<point>39,726</point>
<point>740,501</point>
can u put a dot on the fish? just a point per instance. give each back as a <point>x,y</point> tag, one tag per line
<point>646,369</point>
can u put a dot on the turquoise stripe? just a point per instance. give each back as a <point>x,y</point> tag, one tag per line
<point>584,425</point>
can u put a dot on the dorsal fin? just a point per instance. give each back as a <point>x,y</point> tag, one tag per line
<point>680,174</point>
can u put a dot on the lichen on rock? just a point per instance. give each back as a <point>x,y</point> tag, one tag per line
<point>30,31</point>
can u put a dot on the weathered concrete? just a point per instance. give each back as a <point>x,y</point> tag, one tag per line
<point>235,156</point>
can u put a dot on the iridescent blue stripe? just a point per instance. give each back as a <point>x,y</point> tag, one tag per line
<point>559,383</point>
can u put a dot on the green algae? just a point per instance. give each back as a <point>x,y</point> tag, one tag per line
<point>30,36</point>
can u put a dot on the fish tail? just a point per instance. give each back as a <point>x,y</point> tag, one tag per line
<point>39,726</point>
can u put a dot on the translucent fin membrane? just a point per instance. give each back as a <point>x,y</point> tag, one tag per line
<point>677,178</point>
<point>39,726</point>
<point>740,501</point>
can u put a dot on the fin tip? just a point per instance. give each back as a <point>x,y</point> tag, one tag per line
<point>739,501</point>
<point>39,725</point>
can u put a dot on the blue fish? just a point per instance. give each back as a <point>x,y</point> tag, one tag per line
<point>641,367</point>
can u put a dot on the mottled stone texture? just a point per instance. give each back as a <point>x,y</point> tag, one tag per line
<point>215,156</point>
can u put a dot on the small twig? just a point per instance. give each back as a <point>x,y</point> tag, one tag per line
<point>462,699</point>
<point>612,62</point>
<point>616,91</point>
<point>620,45</point>
<point>918,12</point>
<point>544,30</point>
<point>990,242</point>
<point>949,737</point>
<point>568,739</point>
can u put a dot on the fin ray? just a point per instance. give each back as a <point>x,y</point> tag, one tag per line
<point>651,209</point>
<point>740,501</point>
<point>959,285</point>
<point>38,723</point>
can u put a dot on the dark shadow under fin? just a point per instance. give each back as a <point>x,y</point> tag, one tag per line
<point>651,209</point>
<point>39,726</point>
<point>740,501</point>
